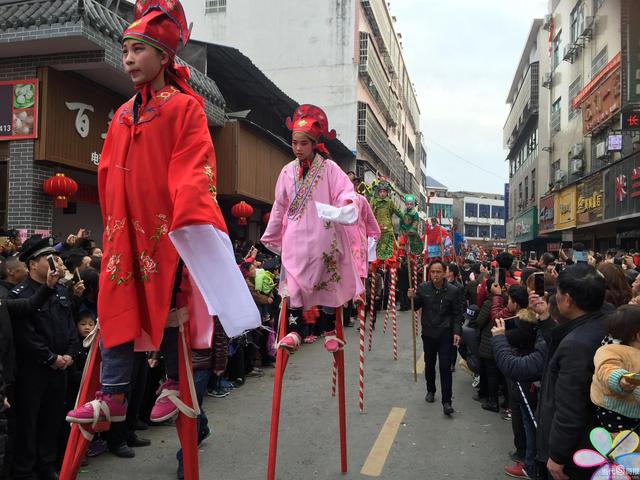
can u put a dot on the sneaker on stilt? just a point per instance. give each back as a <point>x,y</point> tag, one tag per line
<point>105,408</point>
<point>332,343</point>
<point>164,409</point>
<point>290,342</point>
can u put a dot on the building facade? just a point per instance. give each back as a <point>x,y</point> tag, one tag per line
<point>344,56</point>
<point>587,54</point>
<point>480,217</point>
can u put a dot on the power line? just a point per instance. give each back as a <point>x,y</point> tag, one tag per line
<point>463,159</point>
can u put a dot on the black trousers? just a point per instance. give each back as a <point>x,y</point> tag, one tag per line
<point>40,405</point>
<point>440,348</point>
<point>517,423</point>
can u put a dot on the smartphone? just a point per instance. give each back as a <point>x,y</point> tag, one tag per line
<point>510,322</point>
<point>52,263</point>
<point>533,255</point>
<point>558,267</point>
<point>538,283</point>
<point>76,276</point>
<point>632,378</point>
<point>499,276</point>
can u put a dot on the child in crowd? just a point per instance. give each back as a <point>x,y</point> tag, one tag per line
<point>617,396</point>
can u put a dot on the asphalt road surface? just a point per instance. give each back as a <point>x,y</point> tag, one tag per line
<point>417,440</point>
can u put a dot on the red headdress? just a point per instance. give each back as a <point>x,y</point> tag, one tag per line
<point>312,121</point>
<point>163,25</point>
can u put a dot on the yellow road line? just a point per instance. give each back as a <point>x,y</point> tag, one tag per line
<point>420,364</point>
<point>380,451</point>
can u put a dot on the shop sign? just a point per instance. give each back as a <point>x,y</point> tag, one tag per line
<point>590,200</point>
<point>622,184</point>
<point>546,215</point>
<point>603,102</point>
<point>19,109</point>
<point>565,211</point>
<point>76,118</point>
<point>526,226</point>
<point>630,120</point>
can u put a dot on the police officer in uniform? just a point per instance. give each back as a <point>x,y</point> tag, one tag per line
<point>45,342</point>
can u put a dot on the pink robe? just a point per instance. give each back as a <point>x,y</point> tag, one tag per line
<point>318,267</point>
<point>367,227</point>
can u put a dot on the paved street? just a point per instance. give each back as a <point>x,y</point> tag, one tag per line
<point>471,445</point>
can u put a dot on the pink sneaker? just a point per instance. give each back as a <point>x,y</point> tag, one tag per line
<point>165,408</point>
<point>105,408</point>
<point>332,344</point>
<point>290,342</point>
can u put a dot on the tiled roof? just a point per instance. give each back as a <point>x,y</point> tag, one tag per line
<point>25,14</point>
<point>28,13</point>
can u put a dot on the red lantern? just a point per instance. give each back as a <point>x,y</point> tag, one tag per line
<point>242,211</point>
<point>60,187</point>
<point>266,217</point>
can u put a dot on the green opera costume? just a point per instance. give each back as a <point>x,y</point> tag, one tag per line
<point>409,226</point>
<point>384,209</point>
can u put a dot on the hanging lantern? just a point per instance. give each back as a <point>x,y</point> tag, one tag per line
<point>266,217</point>
<point>242,210</point>
<point>61,187</point>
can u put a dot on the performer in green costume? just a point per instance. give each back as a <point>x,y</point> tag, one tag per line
<point>409,226</point>
<point>384,209</point>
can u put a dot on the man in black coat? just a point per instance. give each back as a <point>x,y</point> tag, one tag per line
<point>441,328</point>
<point>565,412</point>
<point>45,343</point>
<point>12,272</point>
<point>14,308</point>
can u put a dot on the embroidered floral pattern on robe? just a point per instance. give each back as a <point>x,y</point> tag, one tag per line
<point>304,189</point>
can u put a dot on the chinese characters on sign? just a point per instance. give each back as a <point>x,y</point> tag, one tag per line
<point>630,120</point>
<point>546,216</point>
<point>622,189</point>
<point>590,195</point>
<point>565,211</point>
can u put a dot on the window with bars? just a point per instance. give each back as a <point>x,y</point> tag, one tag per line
<point>557,44</point>
<point>526,189</point>
<point>555,116</point>
<point>533,183</point>
<point>214,6</point>
<point>574,89</point>
<point>598,62</point>
<point>364,50</point>
<point>577,21</point>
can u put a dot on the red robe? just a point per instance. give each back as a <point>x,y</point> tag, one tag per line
<point>154,177</point>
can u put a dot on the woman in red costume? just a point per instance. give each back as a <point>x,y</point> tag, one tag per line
<point>157,189</point>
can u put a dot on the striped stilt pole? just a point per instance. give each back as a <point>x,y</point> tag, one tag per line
<point>415,285</point>
<point>361,371</point>
<point>392,304</point>
<point>386,314</point>
<point>372,305</point>
<point>334,378</point>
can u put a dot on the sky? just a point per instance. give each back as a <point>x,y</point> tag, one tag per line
<point>461,56</point>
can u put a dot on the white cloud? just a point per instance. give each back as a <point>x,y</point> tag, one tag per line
<point>461,56</point>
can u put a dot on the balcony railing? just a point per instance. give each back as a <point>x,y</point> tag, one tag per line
<point>524,106</point>
<point>372,72</point>
<point>371,135</point>
<point>376,13</point>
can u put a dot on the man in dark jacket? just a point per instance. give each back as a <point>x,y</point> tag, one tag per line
<point>441,328</point>
<point>45,343</point>
<point>12,272</point>
<point>565,412</point>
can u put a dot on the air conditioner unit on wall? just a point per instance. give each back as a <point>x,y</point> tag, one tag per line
<point>601,149</point>
<point>547,22</point>
<point>547,80</point>
<point>559,175</point>
<point>576,165</point>
<point>576,150</point>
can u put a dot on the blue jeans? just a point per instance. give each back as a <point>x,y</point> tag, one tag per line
<point>117,362</point>
<point>200,380</point>
<point>530,434</point>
